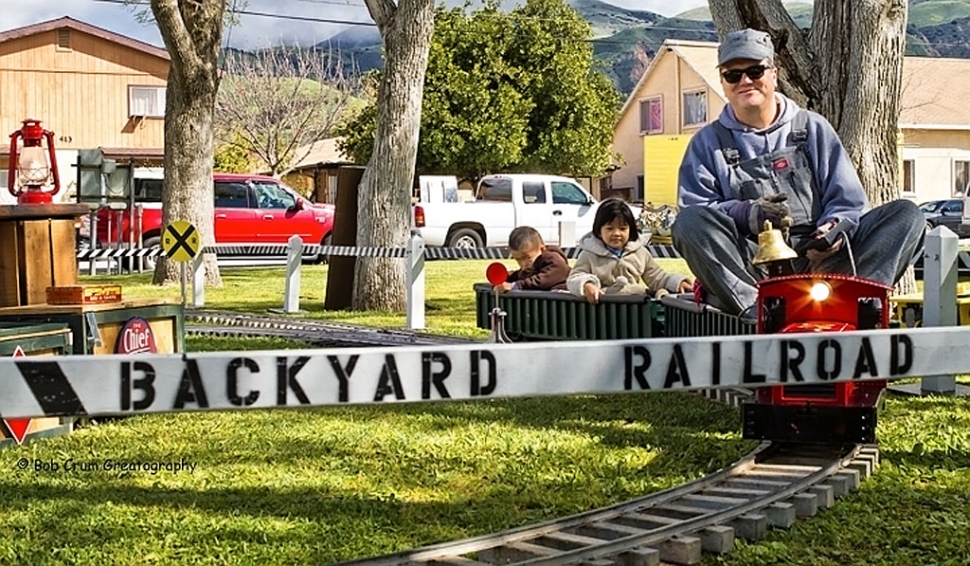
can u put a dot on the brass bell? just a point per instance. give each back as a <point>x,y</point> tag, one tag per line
<point>772,246</point>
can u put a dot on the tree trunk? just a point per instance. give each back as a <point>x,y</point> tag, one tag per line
<point>384,198</point>
<point>848,67</point>
<point>192,31</point>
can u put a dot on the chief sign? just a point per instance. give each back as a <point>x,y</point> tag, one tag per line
<point>180,241</point>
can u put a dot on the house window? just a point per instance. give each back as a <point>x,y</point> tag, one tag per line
<point>651,116</point>
<point>961,178</point>
<point>695,108</point>
<point>64,39</point>
<point>146,101</point>
<point>909,176</point>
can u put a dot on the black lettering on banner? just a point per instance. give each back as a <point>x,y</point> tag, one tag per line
<point>901,354</point>
<point>144,384</point>
<point>677,369</point>
<point>749,376</point>
<point>190,388</point>
<point>390,380</point>
<point>232,382</point>
<point>286,380</point>
<point>866,362</point>
<point>635,371</point>
<point>343,375</point>
<point>821,367</point>
<point>428,376</point>
<point>716,363</point>
<point>790,364</point>
<point>477,389</point>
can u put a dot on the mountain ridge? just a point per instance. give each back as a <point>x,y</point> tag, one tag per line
<point>938,28</point>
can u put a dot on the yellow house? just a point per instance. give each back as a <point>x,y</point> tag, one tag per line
<point>92,87</point>
<point>681,91</point>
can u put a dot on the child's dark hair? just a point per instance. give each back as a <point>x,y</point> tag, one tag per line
<point>524,236</point>
<point>615,209</point>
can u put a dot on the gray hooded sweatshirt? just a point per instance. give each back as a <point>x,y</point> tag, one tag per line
<point>705,176</point>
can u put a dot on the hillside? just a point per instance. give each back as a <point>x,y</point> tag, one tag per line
<point>937,28</point>
<point>801,12</point>
<point>606,19</point>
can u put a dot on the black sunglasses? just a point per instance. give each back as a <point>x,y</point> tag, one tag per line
<point>754,73</point>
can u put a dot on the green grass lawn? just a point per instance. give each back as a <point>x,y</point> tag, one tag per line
<point>314,486</point>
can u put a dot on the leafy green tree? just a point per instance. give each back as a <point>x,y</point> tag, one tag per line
<point>506,92</point>
<point>231,158</point>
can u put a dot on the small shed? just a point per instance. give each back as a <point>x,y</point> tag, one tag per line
<point>319,162</point>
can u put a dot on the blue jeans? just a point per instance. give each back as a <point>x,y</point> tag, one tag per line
<point>886,241</point>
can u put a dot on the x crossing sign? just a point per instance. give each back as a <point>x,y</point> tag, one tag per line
<point>180,241</point>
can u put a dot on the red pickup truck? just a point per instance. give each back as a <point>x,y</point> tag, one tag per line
<point>249,209</point>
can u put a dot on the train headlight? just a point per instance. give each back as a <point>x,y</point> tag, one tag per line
<point>820,291</point>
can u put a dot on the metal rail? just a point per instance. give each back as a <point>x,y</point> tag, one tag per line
<point>769,487</point>
<point>317,333</point>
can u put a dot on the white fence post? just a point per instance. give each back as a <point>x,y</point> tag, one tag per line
<point>198,281</point>
<point>415,294</point>
<point>294,261</point>
<point>940,294</point>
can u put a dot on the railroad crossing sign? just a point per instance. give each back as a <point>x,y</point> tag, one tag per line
<point>181,241</point>
<point>18,427</point>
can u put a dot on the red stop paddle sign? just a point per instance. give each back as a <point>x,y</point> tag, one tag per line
<point>496,273</point>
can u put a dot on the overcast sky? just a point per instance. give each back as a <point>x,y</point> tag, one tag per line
<point>252,30</point>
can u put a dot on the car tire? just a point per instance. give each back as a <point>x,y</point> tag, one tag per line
<point>465,238</point>
<point>324,259</point>
<point>151,262</point>
<point>131,263</point>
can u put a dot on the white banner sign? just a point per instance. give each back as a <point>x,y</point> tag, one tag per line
<point>114,385</point>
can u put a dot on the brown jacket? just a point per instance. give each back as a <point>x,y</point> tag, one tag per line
<point>548,272</point>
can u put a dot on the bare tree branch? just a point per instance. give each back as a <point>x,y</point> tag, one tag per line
<point>279,100</point>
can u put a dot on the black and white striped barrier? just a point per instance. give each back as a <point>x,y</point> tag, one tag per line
<point>313,250</point>
<point>117,384</point>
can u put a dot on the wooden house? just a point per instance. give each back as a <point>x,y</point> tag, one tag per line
<point>92,87</point>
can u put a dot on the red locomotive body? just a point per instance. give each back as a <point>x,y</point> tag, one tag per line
<point>824,413</point>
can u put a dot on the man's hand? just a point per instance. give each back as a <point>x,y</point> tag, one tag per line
<point>816,256</point>
<point>768,207</point>
<point>592,293</point>
<point>503,288</point>
<point>686,286</point>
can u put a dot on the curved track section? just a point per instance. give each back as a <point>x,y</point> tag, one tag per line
<point>313,332</point>
<point>770,487</point>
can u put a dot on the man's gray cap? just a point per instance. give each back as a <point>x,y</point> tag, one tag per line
<point>745,44</point>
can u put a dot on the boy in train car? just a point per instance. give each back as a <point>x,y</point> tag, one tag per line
<point>541,267</point>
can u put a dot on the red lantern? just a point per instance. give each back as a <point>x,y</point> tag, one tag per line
<point>31,169</point>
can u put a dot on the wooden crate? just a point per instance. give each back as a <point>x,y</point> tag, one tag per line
<point>164,316</point>
<point>38,251</point>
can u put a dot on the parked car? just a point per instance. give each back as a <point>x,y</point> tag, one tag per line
<point>504,202</point>
<point>249,209</point>
<point>949,213</point>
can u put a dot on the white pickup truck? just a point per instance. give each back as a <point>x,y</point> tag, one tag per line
<point>504,202</point>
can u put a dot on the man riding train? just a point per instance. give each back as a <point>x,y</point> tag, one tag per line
<point>765,158</point>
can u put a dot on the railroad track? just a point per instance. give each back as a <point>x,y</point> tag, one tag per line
<point>313,332</point>
<point>772,486</point>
